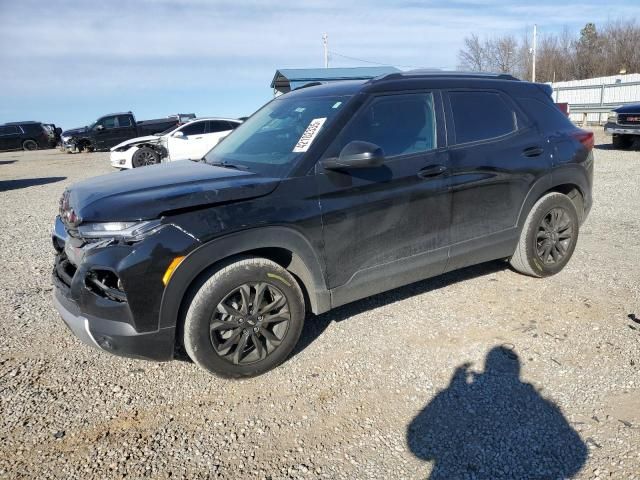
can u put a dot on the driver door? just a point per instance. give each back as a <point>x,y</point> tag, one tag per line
<point>387,226</point>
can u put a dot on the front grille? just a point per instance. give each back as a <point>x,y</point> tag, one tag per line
<point>629,118</point>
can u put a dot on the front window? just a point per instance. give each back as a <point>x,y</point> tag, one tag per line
<point>275,137</point>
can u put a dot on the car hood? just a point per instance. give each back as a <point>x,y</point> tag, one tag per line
<point>631,108</point>
<point>149,192</point>
<point>134,141</point>
<point>74,131</point>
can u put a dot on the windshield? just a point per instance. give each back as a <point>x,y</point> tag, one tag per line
<point>274,138</point>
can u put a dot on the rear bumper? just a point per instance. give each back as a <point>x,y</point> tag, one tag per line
<point>118,338</point>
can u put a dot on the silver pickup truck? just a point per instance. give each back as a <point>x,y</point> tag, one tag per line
<point>624,125</point>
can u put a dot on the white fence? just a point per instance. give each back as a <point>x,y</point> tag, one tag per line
<point>596,97</point>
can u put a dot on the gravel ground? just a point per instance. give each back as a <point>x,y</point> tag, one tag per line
<point>482,373</point>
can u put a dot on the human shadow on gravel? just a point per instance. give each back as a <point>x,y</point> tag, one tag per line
<point>316,324</point>
<point>491,425</point>
<point>6,185</point>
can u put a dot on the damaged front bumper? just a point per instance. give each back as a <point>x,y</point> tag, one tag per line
<point>109,293</point>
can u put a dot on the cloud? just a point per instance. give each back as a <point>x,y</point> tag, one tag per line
<point>118,47</point>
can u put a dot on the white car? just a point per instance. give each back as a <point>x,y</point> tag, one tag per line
<point>190,141</point>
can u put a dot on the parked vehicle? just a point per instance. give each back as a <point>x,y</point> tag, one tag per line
<point>624,125</point>
<point>115,128</point>
<point>186,142</point>
<point>26,135</point>
<point>54,134</point>
<point>326,195</point>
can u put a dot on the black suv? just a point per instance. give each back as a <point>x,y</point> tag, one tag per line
<point>23,136</point>
<point>326,195</point>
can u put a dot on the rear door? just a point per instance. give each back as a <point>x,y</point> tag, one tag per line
<point>387,226</point>
<point>216,130</point>
<point>495,158</point>
<point>10,137</point>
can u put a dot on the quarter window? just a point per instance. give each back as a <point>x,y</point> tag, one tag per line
<point>399,124</point>
<point>480,116</point>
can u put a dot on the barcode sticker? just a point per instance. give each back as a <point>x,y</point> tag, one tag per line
<point>309,135</point>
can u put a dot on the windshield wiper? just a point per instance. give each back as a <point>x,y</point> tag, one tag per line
<point>226,165</point>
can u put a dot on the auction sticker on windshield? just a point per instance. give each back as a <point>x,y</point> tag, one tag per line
<point>309,135</point>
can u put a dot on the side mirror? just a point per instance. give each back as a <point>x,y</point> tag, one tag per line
<point>100,127</point>
<point>356,154</point>
<point>179,134</point>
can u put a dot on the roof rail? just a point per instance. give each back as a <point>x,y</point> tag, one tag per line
<point>435,73</point>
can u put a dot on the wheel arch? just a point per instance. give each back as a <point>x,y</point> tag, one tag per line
<point>570,182</point>
<point>285,246</point>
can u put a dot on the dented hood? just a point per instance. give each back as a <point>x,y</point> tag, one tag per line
<point>148,192</point>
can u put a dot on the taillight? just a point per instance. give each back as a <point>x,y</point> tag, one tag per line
<point>585,138</point>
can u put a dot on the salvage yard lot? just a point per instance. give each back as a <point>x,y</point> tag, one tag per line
<point>381,388</point>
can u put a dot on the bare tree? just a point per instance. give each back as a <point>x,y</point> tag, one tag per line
<point>473,56</point>
<point>563,56</point>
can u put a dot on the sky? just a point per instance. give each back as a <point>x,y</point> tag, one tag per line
<point>69,62</point>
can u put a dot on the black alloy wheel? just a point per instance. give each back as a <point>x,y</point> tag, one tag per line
<point>250,323</point>
<point>555,235</point>
<point>29,145</point>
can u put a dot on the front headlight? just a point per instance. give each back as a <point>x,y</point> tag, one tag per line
<point>613,118</point>
<point>130,231</point>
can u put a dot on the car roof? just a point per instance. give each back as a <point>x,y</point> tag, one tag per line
<point>235,120</point>
<point>26,122</point>
<point>413,79</point>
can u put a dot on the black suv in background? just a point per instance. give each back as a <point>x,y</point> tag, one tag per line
<point>326,195</point>
<point>23,136</point>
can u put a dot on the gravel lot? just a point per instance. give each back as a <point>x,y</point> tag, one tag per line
<point>483,373</point>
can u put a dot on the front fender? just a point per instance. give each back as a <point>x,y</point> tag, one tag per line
<point>305,264</point>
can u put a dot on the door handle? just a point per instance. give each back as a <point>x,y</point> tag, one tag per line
<point>533,151</point>
<point>432,171</point>
<point>197,138</point>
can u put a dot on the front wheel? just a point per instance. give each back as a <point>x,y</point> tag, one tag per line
<point>145,156</point>
<point>548,238</point>
<point>245,319</point>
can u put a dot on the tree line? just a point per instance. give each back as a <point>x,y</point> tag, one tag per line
<point>560,56</point>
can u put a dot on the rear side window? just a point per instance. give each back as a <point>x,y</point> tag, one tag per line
<point>9,130</point>
<point>124,120</point>
<point>480,116</point>
<point>232,125</point>
<point>548,117</point>
<point>216,126</point>
<point>195,128</point>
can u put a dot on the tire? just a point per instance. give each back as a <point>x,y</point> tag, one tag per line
<point>252,341</point>
<point>145,156</point>
<point>548,237</point>
<point>29,145</point>
<point>622,142</point>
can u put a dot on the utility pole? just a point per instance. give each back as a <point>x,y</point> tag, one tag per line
<point>535,40</point>
<point>325,43</point>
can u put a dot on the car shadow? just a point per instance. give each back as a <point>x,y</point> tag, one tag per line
<point>6,185</point>
<point>315,325</point>
<point>7,162</point>
<point>491,425</point>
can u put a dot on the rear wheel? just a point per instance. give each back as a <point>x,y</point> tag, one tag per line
<point>622,141</point>
<point>145,156</point>
<point>548,237</point>
<point>245,319</point>
<point>29,145</point>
